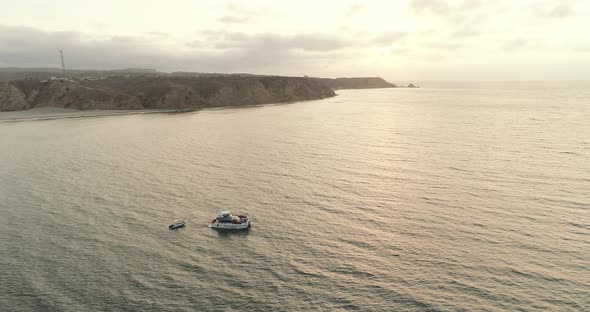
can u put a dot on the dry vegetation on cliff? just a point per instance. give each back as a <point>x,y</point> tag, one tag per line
<point>151,92</point>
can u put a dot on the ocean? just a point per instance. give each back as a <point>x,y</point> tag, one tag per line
<point>450,197</point>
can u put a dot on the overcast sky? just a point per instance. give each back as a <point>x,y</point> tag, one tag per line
<point>412,40</point>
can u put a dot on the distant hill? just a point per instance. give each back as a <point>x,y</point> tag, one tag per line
<point>356,83</point>
<point>43,73</point>
<point>200,74</point>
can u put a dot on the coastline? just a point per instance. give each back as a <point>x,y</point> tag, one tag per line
<point>53,113</point>
<point>168,93</point>
<point>114,95</point>
<point>34,100</point>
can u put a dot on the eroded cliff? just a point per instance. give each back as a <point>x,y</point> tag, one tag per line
<point>159,92</point>
<point>11,98</point>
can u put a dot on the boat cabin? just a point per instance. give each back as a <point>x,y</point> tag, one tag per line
<point>227,217</point>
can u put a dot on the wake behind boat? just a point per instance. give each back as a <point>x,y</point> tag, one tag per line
<point>226,221</point>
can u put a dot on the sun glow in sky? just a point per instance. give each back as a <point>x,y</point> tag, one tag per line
<point>399,40</point>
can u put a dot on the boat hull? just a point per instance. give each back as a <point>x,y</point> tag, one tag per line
<point>231,226</point>
<point>175,226</point>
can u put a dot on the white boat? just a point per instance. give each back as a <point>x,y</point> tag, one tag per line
<point>226,221</point>
<point>177,224</point>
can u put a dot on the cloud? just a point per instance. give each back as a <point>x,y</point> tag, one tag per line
<point>440,7</point>
<point>531,46</point>
<point>158,34</point>
<point>432,6</point>
<point>238,14</point>
<point>312,42</point>
<point>472,4</point>
<point>389,38</point>
<point>195,44</point>
<point>25,46</point>
<point>557,10</point>
<point>443,46</point>
<point>229,19</point>
<point>515,44</point>
<point>231,52</point>
<point>465,33</point>
<point>236,36</point>
<point>582,48</point>
<point>354,9</point>
<point>303,42</point>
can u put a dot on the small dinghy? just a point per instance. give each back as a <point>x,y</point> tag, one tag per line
<point>177,224</point>
<point>226,221</point>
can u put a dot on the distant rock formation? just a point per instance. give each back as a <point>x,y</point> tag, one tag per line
<point>159,92</point>
<point>411,85</point>
<point>356,83</point>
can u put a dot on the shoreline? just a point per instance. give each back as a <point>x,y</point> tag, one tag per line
<point>54,113</point>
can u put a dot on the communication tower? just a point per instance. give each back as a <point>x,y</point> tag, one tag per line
<point>63,65</point>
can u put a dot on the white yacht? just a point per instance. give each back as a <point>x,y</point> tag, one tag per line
<point>225,220</point>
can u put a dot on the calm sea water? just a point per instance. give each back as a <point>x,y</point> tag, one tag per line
<point>449,197</point>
